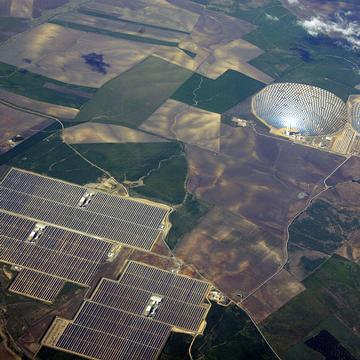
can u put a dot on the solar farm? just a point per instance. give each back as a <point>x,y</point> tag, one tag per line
<point>132,318</point>
<point>75,208</point>
<point>53,232</point>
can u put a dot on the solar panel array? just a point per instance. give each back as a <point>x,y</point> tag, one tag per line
<point>37,285</point>
<point>57,252</point>
<point>182,297</point>
<point>309,109</point>
<point>354,112</point>
<point>56,202</point>
<point>111,325</point>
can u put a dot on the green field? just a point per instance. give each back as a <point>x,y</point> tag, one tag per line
<point>32,85</point>
<point>166,183</point>
<point>217,95</point>
<point>52,157</point>
<point>333,290</point>
<point>177,347</point>
<point>230,335</point>
<point>185,218</point>
<point>115,34</point>
<point>290,53</point>
<point>324,227</point>
<point>132,97</point>
<point>129,161</point>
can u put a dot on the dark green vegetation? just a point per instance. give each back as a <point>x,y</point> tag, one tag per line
<point>115,34</point>
<point>10,26</point>
<point>167,183</point>
<point>52,157</point>
<point>185,218</point>
<point>134,95</point>
<point>23,82</point>
<point>324,227</point>
<point>230,335</point>
<point>331,301</point>
<point>129,161</point>
<point>217,95</point>
<point>291,54</point>
<point>177,347</point>
<point>51,354</point>
<point>28,143</point>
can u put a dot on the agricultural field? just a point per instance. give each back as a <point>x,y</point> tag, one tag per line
<point>14,122</point>
<point>319,308</point>
<point>253,182</point>
<point>152,82</point>
<point>178,121</point>
<point>65,59</point>
<point>58,111</point>
<point>37,87</point>
<point>96,133</point>
<point>217,95</point>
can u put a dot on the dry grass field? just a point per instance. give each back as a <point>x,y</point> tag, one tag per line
<point>14,122</point>
<point>155,12</point>
<point>56,52</point>
<point>58,111</point>
<point>274,294</point>
<point>254,180</point>
<point>92,133</point>
<point>188,124</point>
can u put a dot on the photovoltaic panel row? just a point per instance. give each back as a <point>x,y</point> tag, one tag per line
<point>138,212</point>
<point>43,187</point>
<point>105,333</point>
<point>70,194</point>
<point>164,283</point>
<point>77,219</point>
<point>120,296</point>
<point>37,285</point>
<point>106,216</point>
<point>56,252</point>
<point>131,299</point>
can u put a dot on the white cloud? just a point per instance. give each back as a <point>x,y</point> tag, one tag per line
<point>340,28</point>
<point>271,18</point>
<point>293,2</point>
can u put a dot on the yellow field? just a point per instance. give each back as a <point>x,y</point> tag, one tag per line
<point>188,124</point>
<point>92,133</point>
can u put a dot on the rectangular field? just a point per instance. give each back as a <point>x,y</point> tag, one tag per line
<point>120,219</point>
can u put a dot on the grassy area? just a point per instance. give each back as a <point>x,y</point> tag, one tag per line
<point>333,290</point>
<point>23,82</point>
<point>115,34</point>
<point>291,54</point>
<point>52,157</point>
<point>177,347</point>
<point>324,227</point>
<point>217,95</point>
<point>109,16</point>
<point>230,335</point>
<point>152,81</point>
<point>51,354</point>
<point>10,26</point>
<point>166,183</point>
<point>129,161</point>
<point>185,218</point>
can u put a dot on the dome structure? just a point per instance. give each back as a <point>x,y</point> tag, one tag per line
<point>300,108</point>
<point>354,112</point>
